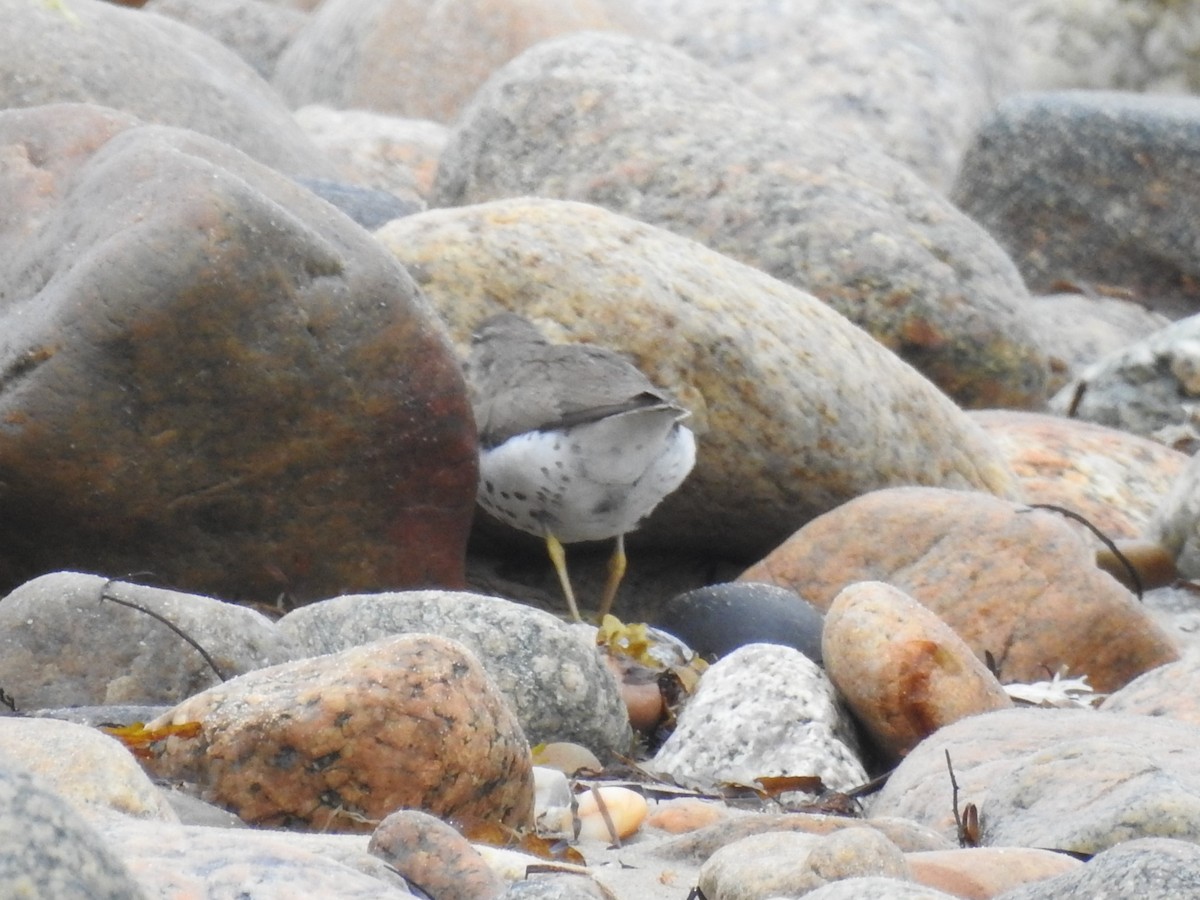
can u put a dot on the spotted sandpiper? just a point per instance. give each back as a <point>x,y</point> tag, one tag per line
<point>575,443</point>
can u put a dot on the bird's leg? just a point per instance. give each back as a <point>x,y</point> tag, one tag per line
<point>558,556</point>
<point>616,571</point>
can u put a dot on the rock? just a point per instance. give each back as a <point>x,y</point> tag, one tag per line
<point>1150,387</point>
<point>68,639</point>
<point>877,888</point>
<point>697,847</point>
<point>645,131</point>
<point>550,673</point>
<point>1058,779</point>
<point>1021,584</point>
<point>257,32</point>
<point>340,741</point>
<point>1114,479</point>
<point>686,815</point>
<point>557,887</point>
<point>1107,44</point>
<point>912,81</point>
<point>212,375</point>
<point>368,207</point>
<point>764,710</point>
<point>1149,868</point>
<point>1091,187</point>
<point>795,410</point>
<point>1176,609</point>
<point>1076,329</point>
<point>980,873</point>
<point>410,58</point>
<point>902,670</point>
<point>611,805</point>
<point>50,851</point>
<point>431,854</point>
<point>1170,691</point>
<point>85,767</point>
<point>179,861</point>
<point>384,152</point>
<point>1176,522</point>
<point>778,863</point>
<point>716,620</point>
<point>101,54</point>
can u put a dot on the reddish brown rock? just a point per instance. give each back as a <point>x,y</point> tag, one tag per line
<point>212,375</point>
<point>980,873</point>
<point>1113,478</point>
<point>1017,582</point>
<point>903,671</point>
<point>338,742</point>
<point>435,857</point>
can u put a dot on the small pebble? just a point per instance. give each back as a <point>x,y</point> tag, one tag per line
<point>627,810</point>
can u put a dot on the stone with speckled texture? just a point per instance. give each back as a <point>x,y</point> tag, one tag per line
<point>764,710</point>
<point>339,741</point>
<point>48,849</point>
<point>1092,187</point>
<point>549,672</point>
<point>795,410</point>
<point>643,130</point>
<point>433,856</point>
<point>876,887</point>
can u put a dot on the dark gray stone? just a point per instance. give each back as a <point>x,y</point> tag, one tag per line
<point>716,620</point>
<point>1099,187</point>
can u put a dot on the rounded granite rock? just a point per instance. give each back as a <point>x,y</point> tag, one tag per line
<point>339,741</point>
<point>795,410</point>
<point>644,130</point>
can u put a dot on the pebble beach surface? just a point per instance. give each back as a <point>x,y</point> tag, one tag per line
<point>924,278</point>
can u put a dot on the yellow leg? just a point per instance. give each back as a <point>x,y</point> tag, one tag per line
<point>616,571</point>
<point>558,556</point>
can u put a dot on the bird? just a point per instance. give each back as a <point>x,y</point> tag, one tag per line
<point>575,443</point>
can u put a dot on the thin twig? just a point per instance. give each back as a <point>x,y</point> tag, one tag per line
<point>105,595</point>
<point>1104,539</point>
